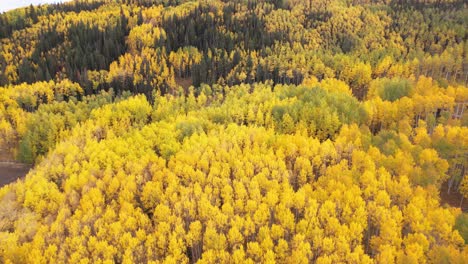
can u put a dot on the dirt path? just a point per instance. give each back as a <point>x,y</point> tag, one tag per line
<point>11,171</point>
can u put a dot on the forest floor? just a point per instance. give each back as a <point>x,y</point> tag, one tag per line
<point>184,82</point>
<point>453,199</point>
<point>10,170</point>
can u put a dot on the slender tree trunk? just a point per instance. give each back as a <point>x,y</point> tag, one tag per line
<point>449,185</point>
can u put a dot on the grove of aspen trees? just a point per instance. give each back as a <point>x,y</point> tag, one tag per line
<point>240,131</point>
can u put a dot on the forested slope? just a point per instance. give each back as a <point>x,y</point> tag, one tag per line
<point>235,131</point>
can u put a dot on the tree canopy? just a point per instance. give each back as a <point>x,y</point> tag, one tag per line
<point>235,131</point>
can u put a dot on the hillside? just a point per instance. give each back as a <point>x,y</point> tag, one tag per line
<point>259,131</point>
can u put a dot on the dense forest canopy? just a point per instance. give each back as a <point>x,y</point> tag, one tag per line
<point>246,131</point>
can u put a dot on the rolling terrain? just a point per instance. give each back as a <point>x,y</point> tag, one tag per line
<point>259,131</point>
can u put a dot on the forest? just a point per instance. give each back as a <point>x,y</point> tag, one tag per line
<point>242,131</point>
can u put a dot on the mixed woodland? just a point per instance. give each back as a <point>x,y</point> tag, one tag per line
<point>244,131</point>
